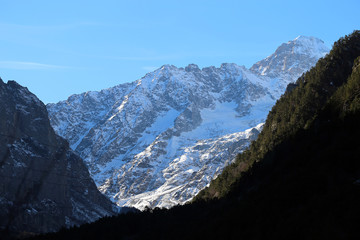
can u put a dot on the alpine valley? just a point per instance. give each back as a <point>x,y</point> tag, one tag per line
<point>159,140</point>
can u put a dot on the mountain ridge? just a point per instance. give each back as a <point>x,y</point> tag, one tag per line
<point>45,185</point>
<point>159,116</point>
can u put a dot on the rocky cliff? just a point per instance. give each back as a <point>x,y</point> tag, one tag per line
<point>44,184</point>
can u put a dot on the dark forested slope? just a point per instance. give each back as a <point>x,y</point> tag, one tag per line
<point>294,111</point>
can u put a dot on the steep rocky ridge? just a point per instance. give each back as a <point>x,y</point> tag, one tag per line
<point>44,184</point>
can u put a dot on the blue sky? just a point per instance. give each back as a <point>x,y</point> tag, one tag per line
<point>58,48</point>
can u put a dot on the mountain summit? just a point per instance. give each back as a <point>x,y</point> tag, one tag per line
<point>161,139</point>
<point>291,59</point>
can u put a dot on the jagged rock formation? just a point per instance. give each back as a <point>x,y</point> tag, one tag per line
<point>44,184</point>
<point>194,169</point>
<point>149,142</point>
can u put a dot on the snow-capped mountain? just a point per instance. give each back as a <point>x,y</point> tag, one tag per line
<point>44,184</point>
<point>161,139</point>
<point>291,59</point>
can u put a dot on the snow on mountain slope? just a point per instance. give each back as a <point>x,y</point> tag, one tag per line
<point>192,171</point>
<point>135,137</point>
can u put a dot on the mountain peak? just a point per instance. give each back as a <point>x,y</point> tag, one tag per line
<point>288,61</point>
<point>307,38</point>
<point>228,65</point>
<point>310,45</point>
<point>166,66</point>
<point>13,83</point>
<point>192,67</point>
<point>232,68</point>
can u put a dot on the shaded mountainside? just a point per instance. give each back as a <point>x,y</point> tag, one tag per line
<point>44,184</point>
<point>303,177</point>
<point>158,141</point>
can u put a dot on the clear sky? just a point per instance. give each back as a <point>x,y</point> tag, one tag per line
<point>58,48</point>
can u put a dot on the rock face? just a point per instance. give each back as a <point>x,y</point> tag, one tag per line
<point>44,184</point>
<point>159,140</point>
<point>194,169</point>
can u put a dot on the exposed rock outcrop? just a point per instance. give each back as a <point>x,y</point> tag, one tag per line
<point>44,184</point>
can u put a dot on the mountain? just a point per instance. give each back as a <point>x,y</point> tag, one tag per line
<point>44,184</point>
<point>151,142</point>
<point>303,183</point>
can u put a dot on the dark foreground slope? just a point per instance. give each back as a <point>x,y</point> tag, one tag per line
<point>305,184</point>
<point>293,112</point>
<point>44,185</point>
